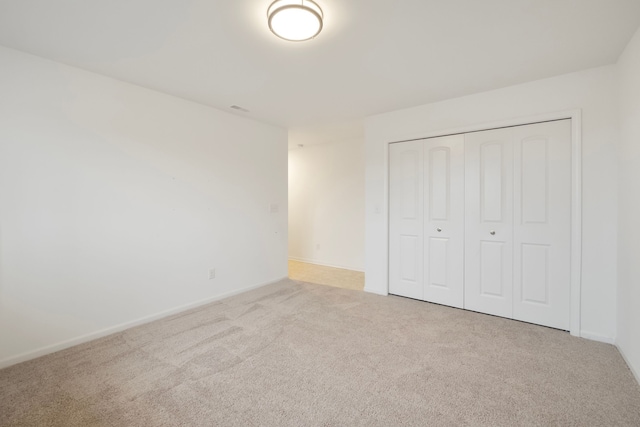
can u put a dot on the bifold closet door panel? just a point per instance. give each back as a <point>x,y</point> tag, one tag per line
<point>489,222</point>
<point>406,219</point>
<point>444,220</point>
<point>542,223</point>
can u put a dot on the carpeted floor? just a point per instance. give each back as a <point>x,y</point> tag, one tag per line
<point>296,354</point>
<point>323,275</point>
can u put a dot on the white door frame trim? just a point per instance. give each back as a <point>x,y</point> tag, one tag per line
<point>576,190</point>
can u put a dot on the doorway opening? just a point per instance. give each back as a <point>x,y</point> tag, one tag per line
<point>326,205</point>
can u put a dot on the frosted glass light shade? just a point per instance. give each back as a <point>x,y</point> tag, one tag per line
<point>295,20</point>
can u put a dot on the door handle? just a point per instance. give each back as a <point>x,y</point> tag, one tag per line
<point>438,229</point>
<point>492,232</point>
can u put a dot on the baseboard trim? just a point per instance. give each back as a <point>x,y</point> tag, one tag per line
<point>375,291</point>
<point>635,373</point>
<point>324,264</point>
<point>52,348</point>
<point>597,337</point>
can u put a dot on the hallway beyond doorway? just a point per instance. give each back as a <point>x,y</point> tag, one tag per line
<point>322,275</point>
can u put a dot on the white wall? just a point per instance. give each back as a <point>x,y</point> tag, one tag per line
<point>115,201</point>
<point>590,90</point>
<point>326,204</point>
<point>629,206</point>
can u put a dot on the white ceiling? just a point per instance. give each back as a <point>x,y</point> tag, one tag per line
<point>373,56</point>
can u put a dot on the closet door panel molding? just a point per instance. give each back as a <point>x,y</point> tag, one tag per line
<point>489,222</point>
<point>542,228</point>
<point>444,220</point>
<point>406,219</point>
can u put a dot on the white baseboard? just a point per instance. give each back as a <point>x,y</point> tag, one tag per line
<point>597,337</point>
<point>633,370</point>
<point>23,357</point>
<point>324,264</point>
<point>375,291</point>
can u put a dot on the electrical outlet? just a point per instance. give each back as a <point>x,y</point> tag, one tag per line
<point>212,273</point>
<point>317,246</point>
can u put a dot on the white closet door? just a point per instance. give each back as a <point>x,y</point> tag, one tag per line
<point>489,222</point>
<point>542,229</point>
<point>406,219</point>
<point>444,220</point>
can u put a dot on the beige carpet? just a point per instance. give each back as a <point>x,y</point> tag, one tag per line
<point>296,354</point>
<point>322,275</point>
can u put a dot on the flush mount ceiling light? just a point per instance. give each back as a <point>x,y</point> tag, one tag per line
<point>295,20</point>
